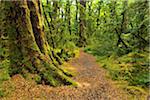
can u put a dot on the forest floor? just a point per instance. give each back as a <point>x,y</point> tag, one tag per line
<point>93,84</point>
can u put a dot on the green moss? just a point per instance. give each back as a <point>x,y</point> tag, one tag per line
<point>27,57</point>
<point>6,88</point>
<point>49,79</point>
<point>2,94</point>
<point>132,69</point>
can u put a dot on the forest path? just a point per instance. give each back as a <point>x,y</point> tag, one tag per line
<point>92,79</point>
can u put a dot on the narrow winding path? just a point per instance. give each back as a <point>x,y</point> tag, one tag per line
<point>93,85</point>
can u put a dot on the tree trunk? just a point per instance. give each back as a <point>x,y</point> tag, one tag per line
<point>68,16</point>
<point>82,38</point>
<point>76,19</point>
<point>29,50</point>
<point>98,14</point>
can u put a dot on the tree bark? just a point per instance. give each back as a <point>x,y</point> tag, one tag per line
<point>82,23</point>
<point>68,16</point>
<point>98,14</point>
<point>76,20</point>
<point>29,50</point>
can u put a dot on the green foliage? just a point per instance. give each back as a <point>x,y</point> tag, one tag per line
<point>120,42</point>
<point>1,93</point>
<point>132,68</point>
<point>115,31</point>
<point>4,75</point>
<point>6,88</point>
<point>4,62</point>
<point>65,54</point>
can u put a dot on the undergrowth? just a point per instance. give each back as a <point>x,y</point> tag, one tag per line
<point>4,68</point>
<point>129,71</point>
<point>3,75</point>
<point>4,64</point>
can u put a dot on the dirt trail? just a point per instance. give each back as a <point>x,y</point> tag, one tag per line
<point>93,85</point>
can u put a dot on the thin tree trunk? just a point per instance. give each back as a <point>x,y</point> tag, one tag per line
<point>77,17</point>
<point>82,23</point>
<point>69,18</point>
<point>98,14</point>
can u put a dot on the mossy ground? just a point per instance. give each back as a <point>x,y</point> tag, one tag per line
<point>130,72</point>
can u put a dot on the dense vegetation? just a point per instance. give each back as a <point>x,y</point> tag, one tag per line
<point>115,31</point>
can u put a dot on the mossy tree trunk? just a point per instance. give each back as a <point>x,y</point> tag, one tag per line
<point>82,24</point>
<point>29,50</point>
<point>68,16</point>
